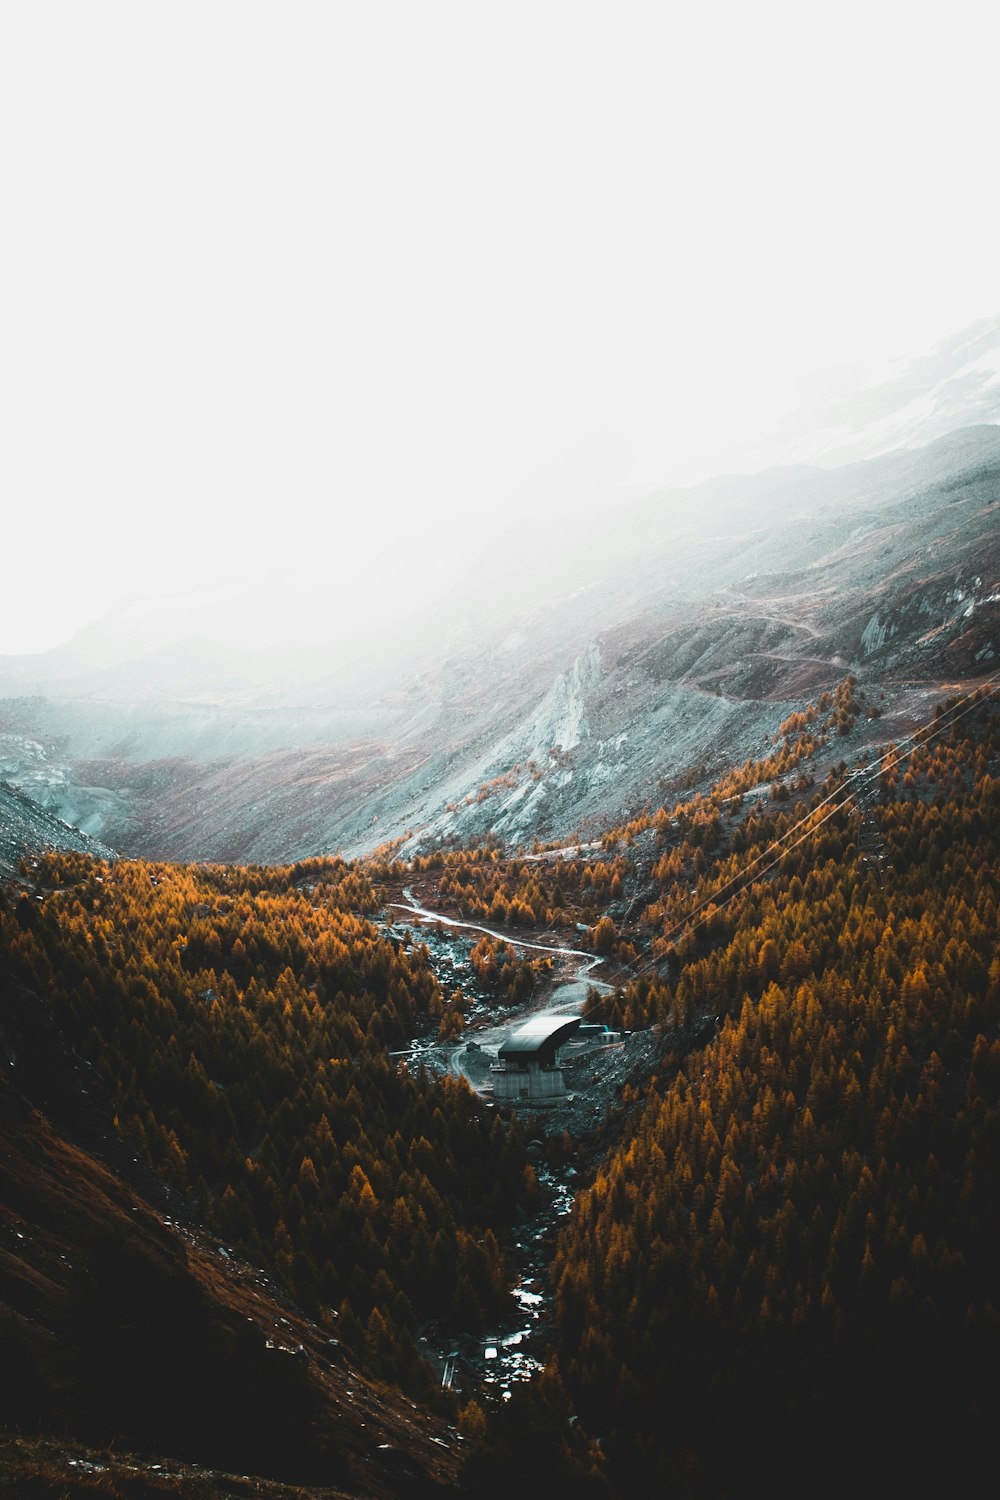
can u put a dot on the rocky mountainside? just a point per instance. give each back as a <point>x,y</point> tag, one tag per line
<point>656,651</point>
<point>26,828</point>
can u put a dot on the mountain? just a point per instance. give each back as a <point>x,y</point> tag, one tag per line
<point>660,646</point>
<point>265,1226</point>
<point>908,402</point>
<point>27,829</point>
<point>138,1345</point>
<point>234,1117</point>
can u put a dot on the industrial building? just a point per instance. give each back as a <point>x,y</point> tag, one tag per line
<point>529,1069</point>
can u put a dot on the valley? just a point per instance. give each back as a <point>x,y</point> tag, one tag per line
<point>499,753</point>
<point>733,804</point>
<point>327,1020</point>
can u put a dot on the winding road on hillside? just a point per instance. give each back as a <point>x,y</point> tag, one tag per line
<point>567,997</point>
<point>513,1353</point>
<point>427,915</point>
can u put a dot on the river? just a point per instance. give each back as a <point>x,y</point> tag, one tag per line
<point>511,1354</point>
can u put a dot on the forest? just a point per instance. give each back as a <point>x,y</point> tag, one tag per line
<point>798,1231</point>
<point>240,1022</point>
<point>795,1250</point>
<point>783,1259</point>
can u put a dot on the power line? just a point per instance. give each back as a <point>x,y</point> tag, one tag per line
<point>946,720</point>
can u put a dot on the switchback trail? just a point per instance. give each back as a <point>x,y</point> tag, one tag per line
<point>514,1349</point>
<point>568,995</point>
<point>501,937</point>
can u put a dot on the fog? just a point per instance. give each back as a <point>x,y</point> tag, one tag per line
<point>315,320</point>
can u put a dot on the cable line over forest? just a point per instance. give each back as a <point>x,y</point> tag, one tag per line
<point>862,777</point>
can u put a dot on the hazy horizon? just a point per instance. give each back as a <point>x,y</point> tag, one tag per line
<point>334,305</point>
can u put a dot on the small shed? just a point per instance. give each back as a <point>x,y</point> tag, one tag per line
<point>529,1069</point>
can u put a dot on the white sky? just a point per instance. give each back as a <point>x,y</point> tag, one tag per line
<point>329,293</point>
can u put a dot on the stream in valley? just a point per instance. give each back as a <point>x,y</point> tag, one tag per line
<point>511,1351</point>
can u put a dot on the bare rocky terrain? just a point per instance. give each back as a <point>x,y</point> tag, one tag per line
<point>634,661</point>
<point>26,828</point>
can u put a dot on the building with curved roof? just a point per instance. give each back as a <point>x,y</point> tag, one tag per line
<point>529,1068</point>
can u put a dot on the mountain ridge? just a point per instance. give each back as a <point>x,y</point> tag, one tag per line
<point>673,654</point>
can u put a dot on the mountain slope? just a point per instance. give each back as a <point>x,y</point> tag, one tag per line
<point>636,655</point>
<point>26,829</point>
<point>791,1247</point>
<point>796,1244</point>
<point>122,1322</point>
